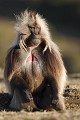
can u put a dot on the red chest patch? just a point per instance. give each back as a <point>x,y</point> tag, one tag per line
<point>32,58</point>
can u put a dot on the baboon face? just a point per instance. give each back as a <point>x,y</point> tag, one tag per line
<point>34,38</point>
<point>32,24</point>
<point>35,29</point>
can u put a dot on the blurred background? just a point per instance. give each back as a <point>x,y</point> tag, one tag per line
<point>63,17</point>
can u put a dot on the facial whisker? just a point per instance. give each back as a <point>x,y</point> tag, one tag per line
<point>22,45</point>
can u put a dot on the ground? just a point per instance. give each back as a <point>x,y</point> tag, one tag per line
<point>72,102</point>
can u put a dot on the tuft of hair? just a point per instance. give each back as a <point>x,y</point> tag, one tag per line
<point>28,18</point>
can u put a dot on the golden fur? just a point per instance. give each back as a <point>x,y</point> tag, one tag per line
<point>53,60</point>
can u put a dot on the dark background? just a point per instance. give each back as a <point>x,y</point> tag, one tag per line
<point>63,17</point>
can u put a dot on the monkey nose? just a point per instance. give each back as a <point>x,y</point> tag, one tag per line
<point>35,30</point>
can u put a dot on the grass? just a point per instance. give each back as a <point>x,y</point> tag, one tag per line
<point>72,102</point>
<point>7,34</point>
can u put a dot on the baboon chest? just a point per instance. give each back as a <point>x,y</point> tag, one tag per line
<point>32,65</point>
<point>32,62</point>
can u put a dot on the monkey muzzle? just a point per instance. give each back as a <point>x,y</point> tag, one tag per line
<point>32,39</point>
<point>29,41</point>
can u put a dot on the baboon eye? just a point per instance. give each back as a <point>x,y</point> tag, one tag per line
<point>31,27</point>
<point>38,28</point>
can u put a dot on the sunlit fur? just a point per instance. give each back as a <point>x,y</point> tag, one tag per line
<point>51,49</point>
<point>54,64</point>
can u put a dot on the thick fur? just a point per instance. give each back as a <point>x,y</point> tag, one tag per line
<point>47,92</point>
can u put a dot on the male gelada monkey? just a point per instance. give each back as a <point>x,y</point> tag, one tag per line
<point>34,70</point>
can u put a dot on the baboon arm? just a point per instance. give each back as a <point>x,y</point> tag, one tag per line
<point>11,64</point>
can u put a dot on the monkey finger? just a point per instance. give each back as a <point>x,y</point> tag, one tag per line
<point>50,108</point>
<point>30,106</point>
<point>58,105</point>
<point>27,107</point>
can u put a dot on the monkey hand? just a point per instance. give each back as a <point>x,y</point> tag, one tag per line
<point>29,106</point>
<point>28,95</point>
<point>58,105</point>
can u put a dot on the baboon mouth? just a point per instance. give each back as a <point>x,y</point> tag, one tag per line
<point>24,44</point>
<point>32,42</point>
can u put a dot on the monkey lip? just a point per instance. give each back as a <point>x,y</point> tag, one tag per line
<point>32,45</point>
<point>32,41</point>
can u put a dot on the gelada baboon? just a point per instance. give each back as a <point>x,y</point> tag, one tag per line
<point>34,70</point>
